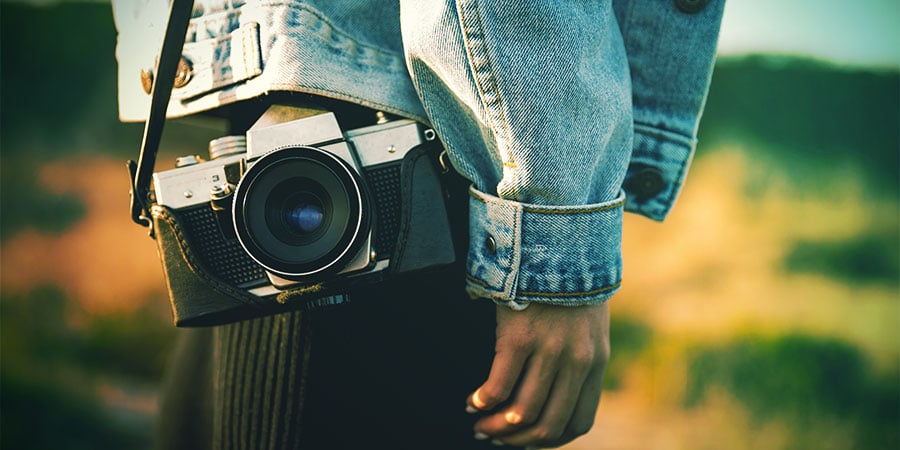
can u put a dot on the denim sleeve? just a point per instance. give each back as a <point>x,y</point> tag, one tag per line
<point>671,48</point>
<point>532,99</point>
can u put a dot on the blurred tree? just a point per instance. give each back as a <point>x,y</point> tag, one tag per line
<point>807,115</point>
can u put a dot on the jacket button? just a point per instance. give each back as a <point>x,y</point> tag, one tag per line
<point>691,6</point>
<point>490,244</point>
<point>146,80</point>
<point>647,183</point>
<point>183,74</point>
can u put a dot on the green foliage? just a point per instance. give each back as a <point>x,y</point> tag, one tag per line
<point>36,332</point>
<point>51,370</point>
<point>28,205</point>
<point>34,329</point>
<point>868,258</point>
<point>628,338</point>
<point>130,344</point>
<point>807,116</point>
<point>59,81</point>
<point>48,410</point>
<point>799,379</point>
<point>793,374</point>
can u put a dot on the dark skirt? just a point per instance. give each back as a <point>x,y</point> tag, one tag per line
<point>391,369</point>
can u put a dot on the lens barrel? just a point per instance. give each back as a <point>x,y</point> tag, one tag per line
<point>301,212</point>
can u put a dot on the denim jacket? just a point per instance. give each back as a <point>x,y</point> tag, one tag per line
<point>563,114</point>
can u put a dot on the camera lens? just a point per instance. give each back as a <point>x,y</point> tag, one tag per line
<point>304,218</point>
<point>301,212</point>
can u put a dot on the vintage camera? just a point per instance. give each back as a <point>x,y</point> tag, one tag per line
<point>297,201</point>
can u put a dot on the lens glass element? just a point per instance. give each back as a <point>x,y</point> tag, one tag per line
<point>304,217</point>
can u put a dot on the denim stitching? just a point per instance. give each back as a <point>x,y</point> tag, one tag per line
<point>567,211</point>
<point>533,209</point>
<point>195,23</point>
<point>601,290</point>
<point>478,69</point>
<point>571,294</point>
<point>318,15</point>
<point>512,280</point>
<point>217,79</point>
<point>478,281</point>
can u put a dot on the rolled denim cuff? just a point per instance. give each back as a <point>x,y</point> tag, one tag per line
<point>560,255</point>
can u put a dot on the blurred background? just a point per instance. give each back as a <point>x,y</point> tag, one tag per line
<point>765,313</point>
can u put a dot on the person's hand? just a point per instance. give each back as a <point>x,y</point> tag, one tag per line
<point>545,381</point>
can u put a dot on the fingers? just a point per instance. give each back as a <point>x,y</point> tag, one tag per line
<point>586,409</point>
<point>551,426</point>
<point>505,371</point>
<point>529,400</point>
<point>547,374</point>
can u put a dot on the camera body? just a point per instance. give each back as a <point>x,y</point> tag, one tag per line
<point>296,201</point>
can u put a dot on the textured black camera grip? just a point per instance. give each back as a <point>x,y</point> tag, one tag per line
<point>197,298</point>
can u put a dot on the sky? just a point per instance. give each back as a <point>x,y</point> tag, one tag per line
<point>858,32</point>
<point>852,32</point>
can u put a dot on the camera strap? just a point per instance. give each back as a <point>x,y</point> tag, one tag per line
<point>142,172</point>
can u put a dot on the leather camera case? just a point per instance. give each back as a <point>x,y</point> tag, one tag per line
<point>425,240</point>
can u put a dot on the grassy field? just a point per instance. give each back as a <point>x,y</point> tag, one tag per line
<point>758,327</point>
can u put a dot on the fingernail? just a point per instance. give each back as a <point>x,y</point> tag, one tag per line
<point>513,418</point>
<point>477,401</point>
<point>480,436</point>
<point>497,442</point>
<point>471,409</point>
